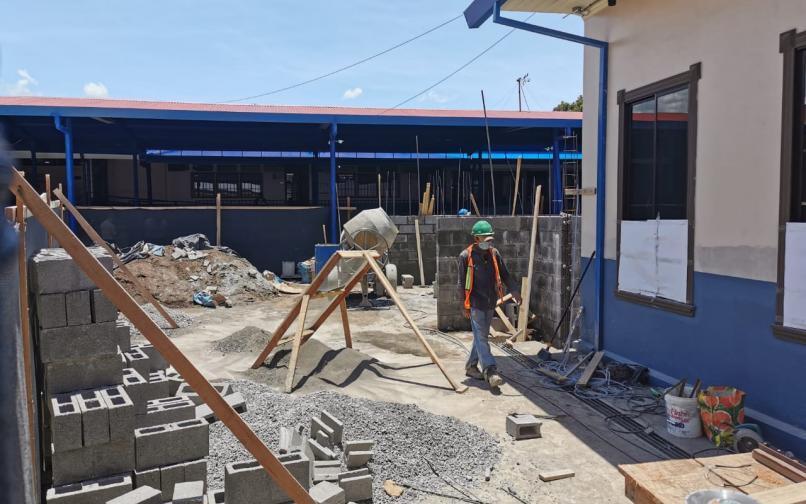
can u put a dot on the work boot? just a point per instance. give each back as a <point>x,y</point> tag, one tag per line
<point>493,378</point>
<point>473,372</point>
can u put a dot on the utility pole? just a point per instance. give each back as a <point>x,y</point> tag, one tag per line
<point>521,82</point>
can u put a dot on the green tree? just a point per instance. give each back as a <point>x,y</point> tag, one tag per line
<point>575,106</point>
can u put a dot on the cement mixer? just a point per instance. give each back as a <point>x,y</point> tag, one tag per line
<point>369,230</point>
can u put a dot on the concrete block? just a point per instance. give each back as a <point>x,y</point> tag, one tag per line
<point>336,425</point>
<point>121,413</point>
<point>53,270</point>
<point>166,410</point>
<point>136,358</point>
<point>356,458</point>
<point>408,281</point>
<point>65,422</point>
<point>51,311</point>
<point>320,452</point>
<point>137,388</point>
<point>102,309</point>
<point>174,382</point>
<point>318,425</point>
<point>148,477</point>
<point>290,441</point>
<point>357,488</point>
<point>91,462</point>
<point>98,491</point>
<point>77,342</point>
<point>327,493</point>
<point>246,482</point>
<point>523,426</point>
<point>216,496</point>
<point>159,385</point>
<point>323,439</point>
<point>140,495</point>
<point>300,468</point>
<point>123,336</point>
<point>94,417</point>
<point>196,470</point>
<point>235,400</point>
<point>359,445</point>
<point>79,311</point>
<point>170,475</point>
<point>189,492</point>
<point>171,443</point>
<point>157,361</point>
<point>184,390</point>
<point>353,474</point>
<point>326,470</point>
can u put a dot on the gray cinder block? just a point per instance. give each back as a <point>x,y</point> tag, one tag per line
<point>77,342</point>
<point>408,281</point>
<point>336,425</point>
<point>353,474</point>
<point>174,382</point>
<point>102,308</point>
<point>235,400</point>
<point>166,410</point>
<point>359,445</point>
<point>357,488</point>
<point>169,477</point>
<point>356,459</point>
<point>246,482</point>
<point>216,496</point>
<point>123,335</point>
<point>140,495</point>
<point>300,468</point>
<point>523,426</point>
<point>320,452</point>
<point>53,270</point>
<point>318,425</point>
<point>290,440</point>
<point>121,413</point>
<point>171,443</point>
<point>65,422</point>
<point>137,389</point>
<point>79,311</point>
<point>196,470</point>
<point>136,358</point>
<point>184,390</point>
<point>51,311</point>
<point>157,361</point>
<point>94,417</point>
<point>327,493</point>
<point>97,491</point>
<point>159,386</point>
<point>92,462</point>
<point>189,492</point>
<point>148,477</point>
<point>326,470</point>
<point>323,439</point>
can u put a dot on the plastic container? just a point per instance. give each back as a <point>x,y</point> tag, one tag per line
<point>322,252</point>
<point>721,410</point>
<point>683,417</point>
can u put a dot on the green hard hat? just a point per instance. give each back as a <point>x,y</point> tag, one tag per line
<point>482,228</point>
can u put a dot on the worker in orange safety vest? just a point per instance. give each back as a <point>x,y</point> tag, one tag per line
<point>482,278</point>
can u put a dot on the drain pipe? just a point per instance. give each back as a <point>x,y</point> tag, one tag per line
<point>66,129</point>
<point>475,15</point>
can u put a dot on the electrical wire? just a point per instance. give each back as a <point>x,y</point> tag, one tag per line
<point>456,71</point>
<point>347,67</point>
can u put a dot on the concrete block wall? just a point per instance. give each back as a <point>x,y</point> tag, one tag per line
<point>556,264</point>
<point>404,252</point>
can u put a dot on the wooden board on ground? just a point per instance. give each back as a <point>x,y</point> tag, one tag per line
<point>555,475</point>
<point>590,369</point>
<point>670,481</point>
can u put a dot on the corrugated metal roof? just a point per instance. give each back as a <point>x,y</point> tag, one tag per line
<point>89,103</point>
<point>586,7</point>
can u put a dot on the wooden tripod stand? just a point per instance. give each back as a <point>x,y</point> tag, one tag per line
<point>300,312</point>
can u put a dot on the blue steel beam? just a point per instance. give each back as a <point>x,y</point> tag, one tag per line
<point>556,177</point>
<point>66,129</point>
<point>476,14</point>
<point>334,202</point>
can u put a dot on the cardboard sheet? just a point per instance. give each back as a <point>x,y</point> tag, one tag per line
<point>654,257</point>
<point>795,275</point>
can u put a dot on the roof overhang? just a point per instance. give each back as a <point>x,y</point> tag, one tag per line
<point>480,11</point>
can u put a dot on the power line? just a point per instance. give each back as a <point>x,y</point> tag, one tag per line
<point>462,67</point>
<point>347,67</point>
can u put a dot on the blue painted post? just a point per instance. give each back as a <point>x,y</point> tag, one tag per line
<point>135,180</point>
<point>66,129</point>
<point>334,202</point>
<point>600,198</point>
<point>556,177</point>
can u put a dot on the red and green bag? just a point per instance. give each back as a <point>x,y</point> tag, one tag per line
<point>721,410</point>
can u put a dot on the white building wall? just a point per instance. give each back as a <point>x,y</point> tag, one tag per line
<point>739,116</point>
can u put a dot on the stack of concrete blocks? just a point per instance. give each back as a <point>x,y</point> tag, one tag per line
<point>555,270</point>
<point>246,482</point>
<point>403,253</point>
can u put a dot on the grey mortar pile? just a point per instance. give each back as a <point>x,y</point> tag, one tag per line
<point>182,320</point>
<point>404,435</point>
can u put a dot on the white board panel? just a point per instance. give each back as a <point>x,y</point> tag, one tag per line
<point>672,259</point>
<point>795,275</point>
<point>637,263</point>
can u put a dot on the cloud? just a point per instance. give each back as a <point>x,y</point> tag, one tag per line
<point>23,85</point>
<point>95,90</point>
<point>352,93</point>
<point>433,96</point>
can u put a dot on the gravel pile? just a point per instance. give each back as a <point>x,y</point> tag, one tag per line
<point>182,320</point>
<point>404,436</point>
<point>250,339</point>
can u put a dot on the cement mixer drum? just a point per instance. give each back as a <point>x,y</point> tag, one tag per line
<point>370,230</point>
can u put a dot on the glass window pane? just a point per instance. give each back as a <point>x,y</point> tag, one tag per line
<point>672,154</point>
<point>799,170</point>
<point>639,176</point>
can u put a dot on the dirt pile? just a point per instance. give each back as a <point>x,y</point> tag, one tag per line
<point>174,281</point>
<point>250,339</point>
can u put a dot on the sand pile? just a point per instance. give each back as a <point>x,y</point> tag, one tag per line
<point>250,339</point>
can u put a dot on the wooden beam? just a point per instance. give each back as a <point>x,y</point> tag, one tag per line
<point>473,202</point>
<point>419,250</point>
<point>218,219</point>
<point>96,239</point>
<point>789,494</point>
<point>390,290</point>
<point>357,254</point>
<point>590,369</point>
<point>779,465</point>
<point>90,265</point>
<point>523,316</point>
<point>505,320</point>
<point>47,198</point>
<point>517,184</point>
<point>292,362</point>
<point>345,324</point>
<point>61,207</point>
<point>348,287</point>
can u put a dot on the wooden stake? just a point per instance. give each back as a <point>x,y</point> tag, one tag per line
<point>25,327</point>
<point>589,369</point>
<point>96,239</point>
<point>324,233</point>
<point>345,324</point>
<point>47,197</point>
<point>431,206</point>
<point>90,265</point>
<point>517,182</point>
<point>218,219</point>
<point>349,211</point>
<point>419,251</point>
<point>292,363</point>
<point>473,202</point>
<point>426,199</point>
<point>523,317</point>
<point>61,206</point>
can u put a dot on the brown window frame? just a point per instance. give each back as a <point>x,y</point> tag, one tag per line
<point>791,43</point>
<point>625,98</point>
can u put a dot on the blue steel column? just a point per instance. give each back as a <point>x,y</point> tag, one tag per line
<point>556,177</point>
<point>135,180</point>
<point>66,129</point>
<point>334,203</point>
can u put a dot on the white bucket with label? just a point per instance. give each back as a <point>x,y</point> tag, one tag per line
<point>683,417</point>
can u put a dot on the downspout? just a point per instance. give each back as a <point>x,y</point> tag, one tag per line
<point>334,203</point>
<point>601,151</point>
<point>66,129</point>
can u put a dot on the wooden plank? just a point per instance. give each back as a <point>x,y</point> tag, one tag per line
<point>579,363</point>
<point>523,317</point>
<point>555,475</point>
<point>25,328</point>
<point>90,265</point>
<point>431,206</point>
<point>292,362</point>
<point>324,233</point>
<point>778,454</point>
<point>473,202</point>
<point>780,465</point>
<point>517,184</point>
<point>505,319</point>
<point>218,219</point>
<point>348,287</point>
<point>61,207</point>
<point>403,311</point>
<point>345,324</point>
<point>419,251</point>
<point>589,369</point>
<point>789,494</point>
<point>356,254</point>
<point>96,239</point>
<point>47,198</point>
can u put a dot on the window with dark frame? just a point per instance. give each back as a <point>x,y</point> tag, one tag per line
<point>657,164</point>
<point>209,180</point>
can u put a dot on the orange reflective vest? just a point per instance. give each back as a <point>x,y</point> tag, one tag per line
<point>469,276</point>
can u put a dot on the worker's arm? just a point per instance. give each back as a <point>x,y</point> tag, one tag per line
<point>461,263</point>
<point>507,278</point>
